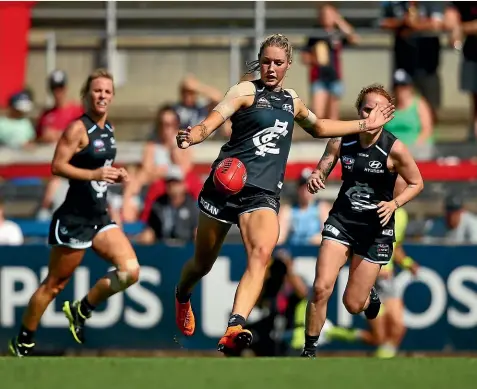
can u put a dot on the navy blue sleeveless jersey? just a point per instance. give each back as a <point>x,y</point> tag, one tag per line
<point>261,138</point>
<point>366,182</point>
<point>88,199</point>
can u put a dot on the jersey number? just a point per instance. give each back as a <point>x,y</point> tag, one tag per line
<point>101,187</point>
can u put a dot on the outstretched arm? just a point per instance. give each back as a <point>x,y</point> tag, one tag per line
<point>325,166</point>
<point>326,128</point>
<point>238,96</point>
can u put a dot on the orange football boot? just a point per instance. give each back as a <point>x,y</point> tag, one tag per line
<point>236,339</point>
<point>185,319</point>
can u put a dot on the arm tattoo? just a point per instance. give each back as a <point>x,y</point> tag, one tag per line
<point>203,131</point>
<point>362,125</point>
<point>328,160</point>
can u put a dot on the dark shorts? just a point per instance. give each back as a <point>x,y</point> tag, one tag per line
<point>374,248</point>
<point>227,209</point>
<point>429,86</point>
<point>468,76</point>
<point>76,233</point>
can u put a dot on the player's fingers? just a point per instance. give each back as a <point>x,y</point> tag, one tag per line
<point>317,184</point>
<point>313,184</point>
<point>388,110</point>
<point>388,119</point>
<point>109,180</point>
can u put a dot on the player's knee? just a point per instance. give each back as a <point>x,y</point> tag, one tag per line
<point>352,304</point>
<point>260,256</point>
<point>125,276</point>
<point>203,267</point>
<point>322,291</point>
<point>54,285</point>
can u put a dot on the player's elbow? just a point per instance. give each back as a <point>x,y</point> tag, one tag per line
<point>55,169</point>
<point>420,185</point>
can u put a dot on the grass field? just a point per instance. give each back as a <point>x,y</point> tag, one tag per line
<point>201,373</point>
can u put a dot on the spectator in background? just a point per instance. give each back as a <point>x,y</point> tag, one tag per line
<point>10,232</point>
<point>461,21</point>
<point>416,26</point>
<point>53,121</point>
<point>189,109</point>
<point>323,56</point>
<point>412,122</point>
<point>174,215</point>
<point>16,129</point>
<point>160,152</point>
<point>457,227</point>
<point>302,223</point>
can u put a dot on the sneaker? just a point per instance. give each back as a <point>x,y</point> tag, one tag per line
<point>235,340</point>
<point>308,354</point>
<point>374,305</point>
<point>77,320</point>
<point>185,319</point>
<point>20,349</point>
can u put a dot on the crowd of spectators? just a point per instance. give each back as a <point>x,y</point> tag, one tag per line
<point>163,188</point>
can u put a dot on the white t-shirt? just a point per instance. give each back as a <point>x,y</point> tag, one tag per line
<point>10,234</point>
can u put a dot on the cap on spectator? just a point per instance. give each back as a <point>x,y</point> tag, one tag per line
<point>174,173</point>
<point>401,77</point>
<point>21,102</point>
<point>454,202</point>
<point>304,175</point>
<point>57,79</point>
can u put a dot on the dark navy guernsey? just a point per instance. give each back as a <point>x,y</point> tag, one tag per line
<point>261,138</point>
<point>87,199</point>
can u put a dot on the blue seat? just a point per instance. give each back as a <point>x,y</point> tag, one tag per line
<point>26,181</point>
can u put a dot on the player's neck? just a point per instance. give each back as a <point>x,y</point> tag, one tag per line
<point>367,139</point>
<point>100,120</point>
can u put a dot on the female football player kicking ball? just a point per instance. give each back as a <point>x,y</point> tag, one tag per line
<point>262,113</point>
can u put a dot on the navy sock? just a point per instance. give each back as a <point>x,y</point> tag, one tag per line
<point>86,307</point>
<point>236,320</point>
<point>311,343</point>
<point>182,298</point>
<point>25,335</point>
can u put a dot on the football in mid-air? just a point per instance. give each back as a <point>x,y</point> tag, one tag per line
<point>230,176</point>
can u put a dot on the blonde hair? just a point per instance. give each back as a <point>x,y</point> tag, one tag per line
<point>98,73</point>
<point>275,40</point>
<point>373,88</point>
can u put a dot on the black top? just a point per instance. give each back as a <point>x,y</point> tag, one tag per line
<point>87,199</point>
<point>468,12</point>
<point>415,51</point>
<point>261,138</point>
<point>170,222</point>
<point>335,41</point>
<point>366,182</point>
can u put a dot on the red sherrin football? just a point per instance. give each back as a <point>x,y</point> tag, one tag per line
<point>230,176</point>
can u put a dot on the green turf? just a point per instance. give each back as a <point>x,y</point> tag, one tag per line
<point>202,373</point>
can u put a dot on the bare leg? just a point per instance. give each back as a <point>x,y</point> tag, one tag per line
<point>333,256</point>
